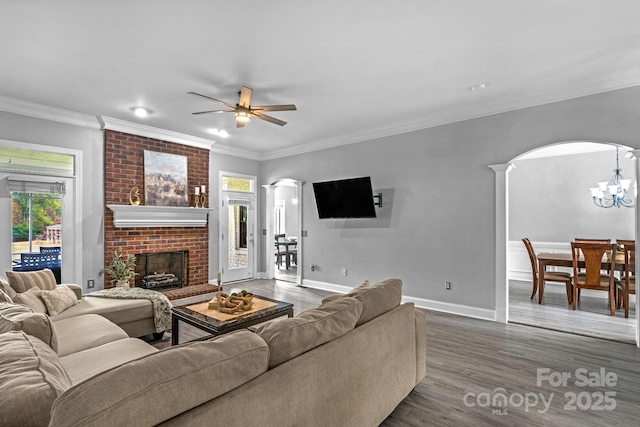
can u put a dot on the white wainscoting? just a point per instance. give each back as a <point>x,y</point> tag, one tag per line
<point>519,264</point>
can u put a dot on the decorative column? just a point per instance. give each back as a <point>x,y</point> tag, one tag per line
<point>502,236</point>
<point>636,156</point>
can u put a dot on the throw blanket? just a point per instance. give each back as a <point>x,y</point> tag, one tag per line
<point>161,304</point>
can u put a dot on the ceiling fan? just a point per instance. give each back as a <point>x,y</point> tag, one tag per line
<point>244,111</point>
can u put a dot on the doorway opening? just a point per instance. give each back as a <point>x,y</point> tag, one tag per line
<point>284,230</point>
<point>547,200</point>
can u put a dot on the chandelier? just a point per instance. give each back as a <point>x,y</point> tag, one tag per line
<point>617,186</point>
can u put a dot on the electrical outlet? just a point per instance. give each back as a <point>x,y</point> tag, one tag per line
<point>344,271</point>
<point>304,233</point>
<point>91,283</point>
<point>447,285</point>
<point>264,231</point>
<point>312,267</point>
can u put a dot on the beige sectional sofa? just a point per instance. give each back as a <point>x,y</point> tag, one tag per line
<point>348,362</point>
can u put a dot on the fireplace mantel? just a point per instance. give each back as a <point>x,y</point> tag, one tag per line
<point>127,216</point>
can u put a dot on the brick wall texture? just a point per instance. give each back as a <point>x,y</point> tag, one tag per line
<point>124,169</point>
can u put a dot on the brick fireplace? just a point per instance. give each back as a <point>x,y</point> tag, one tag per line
<point>124,169</point>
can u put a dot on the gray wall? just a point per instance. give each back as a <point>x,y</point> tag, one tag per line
<point>286,193</point>
<point>438,219</point>
<point>550,200</point>
<point>222,162</point>
<point>91,142</point>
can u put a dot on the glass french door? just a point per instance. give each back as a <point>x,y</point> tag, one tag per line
<point>237,226</point>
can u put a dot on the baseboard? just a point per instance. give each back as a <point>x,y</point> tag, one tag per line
<point>445,307</point>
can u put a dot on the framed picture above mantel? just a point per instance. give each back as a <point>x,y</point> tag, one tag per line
<point>165,179</point>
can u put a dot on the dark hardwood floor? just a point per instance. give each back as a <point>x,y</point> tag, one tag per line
<point>472,363</point>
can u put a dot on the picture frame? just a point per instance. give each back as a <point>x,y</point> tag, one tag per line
<point>165,179</point>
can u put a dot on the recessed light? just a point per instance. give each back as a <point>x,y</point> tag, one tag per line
<point>478,87</point>
<point>141,111</point>
<point>219,132</point>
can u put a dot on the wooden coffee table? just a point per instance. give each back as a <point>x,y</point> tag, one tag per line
<point>216,323</point>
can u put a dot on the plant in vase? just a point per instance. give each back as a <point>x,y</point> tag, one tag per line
<point>120,269</point>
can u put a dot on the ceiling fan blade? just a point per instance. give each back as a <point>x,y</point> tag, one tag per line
<point>239,124</point>
<point>214,111</point>
<point>245,96</point>
<point>287,107</point>
<point>212,99</point>
<point>269,118</point>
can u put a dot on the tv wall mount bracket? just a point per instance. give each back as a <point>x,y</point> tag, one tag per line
<point>379,198</point>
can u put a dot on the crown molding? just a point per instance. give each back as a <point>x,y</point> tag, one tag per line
<point>39,111</point>
<point>155,133</point>
<point>504,106</point>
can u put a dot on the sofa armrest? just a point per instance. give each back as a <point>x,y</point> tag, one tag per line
<point>421,345</point>
<point>75,288</point>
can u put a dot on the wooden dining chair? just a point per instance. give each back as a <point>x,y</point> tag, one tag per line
<point>280,249</point>
<point>593,278</point>
<point>549,276</point>
<point>627,283</point>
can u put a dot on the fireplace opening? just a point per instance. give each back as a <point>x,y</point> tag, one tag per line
<point>161,270</point>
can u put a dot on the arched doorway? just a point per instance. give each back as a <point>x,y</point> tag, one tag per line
<point>284,216</point>
<point>503,182</point>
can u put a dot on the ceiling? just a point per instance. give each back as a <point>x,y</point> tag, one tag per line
<point>356,70</point>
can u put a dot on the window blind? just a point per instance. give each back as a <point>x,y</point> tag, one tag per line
<point>45,187</point>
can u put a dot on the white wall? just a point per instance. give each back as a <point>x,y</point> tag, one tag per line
<point>438,219</point>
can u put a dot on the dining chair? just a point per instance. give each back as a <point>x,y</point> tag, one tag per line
<point>627,283</point>
<point>280,249</point>
<point>549,276</point>
<point>593,278</point>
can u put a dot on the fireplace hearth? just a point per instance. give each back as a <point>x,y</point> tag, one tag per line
<point>162,270</point>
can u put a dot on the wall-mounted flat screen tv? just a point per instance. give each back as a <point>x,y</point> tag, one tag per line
<point>346,198</point>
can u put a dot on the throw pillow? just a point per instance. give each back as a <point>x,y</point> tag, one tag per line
<point>17,317</point>
<point>59,299</point>
<point>31,299</point>
<point>289,338</point>
<point>22,281</point>
<point>334,297</point>
<point>32,378</point>
<point>4,297</point>
<point>377,299</point>
<point>6,287</point>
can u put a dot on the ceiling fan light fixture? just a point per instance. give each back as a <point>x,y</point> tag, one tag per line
<point>243,116</point>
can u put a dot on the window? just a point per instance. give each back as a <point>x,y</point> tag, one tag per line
<point>36,213</point>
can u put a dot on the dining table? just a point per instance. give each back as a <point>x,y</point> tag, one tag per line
<point>564,259</point>
<point>288,244</point>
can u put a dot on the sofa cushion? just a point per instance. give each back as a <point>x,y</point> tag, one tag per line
<point>93,361</point>
<point>6,287</point>
<point>119,311</point>
<point>290,337</point>
<point>31,378</point>
<point>31,298</point>
<point>377,299</point>
<point>21,281</point>
<point>4,297</point>
<point>140,392</point>
<point>17,317</point>
<point>59,299</point>
<point>80,333</point>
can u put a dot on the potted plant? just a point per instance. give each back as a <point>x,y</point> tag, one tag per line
<point>120,269</point>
